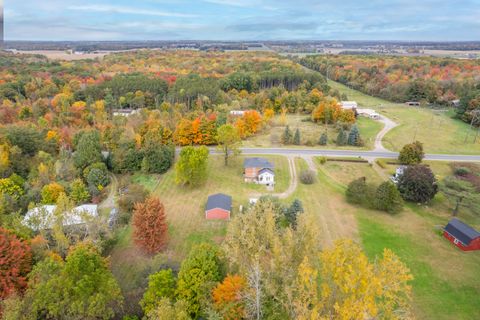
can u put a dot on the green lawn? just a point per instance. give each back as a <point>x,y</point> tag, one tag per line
<point>310,133</point>
<point>446,282</point>
<point>438,130</point>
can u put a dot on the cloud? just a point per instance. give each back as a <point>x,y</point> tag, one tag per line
<point>129,10</point>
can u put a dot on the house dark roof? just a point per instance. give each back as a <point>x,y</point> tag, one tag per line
<point>461,231</point>
<point>266,170</point>
<point>257,163</point>
<point>219,200</point>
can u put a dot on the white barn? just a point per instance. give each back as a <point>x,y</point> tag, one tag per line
<point>349,105</point>
<point>43,217</point>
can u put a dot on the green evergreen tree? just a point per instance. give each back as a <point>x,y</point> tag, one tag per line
<point>296,138</point>
<point>341,138</point>
<point>88,150</point>
<point>287,136</point>
<point>354,137</point>
<point>323,139</point>
<point>292,212</point>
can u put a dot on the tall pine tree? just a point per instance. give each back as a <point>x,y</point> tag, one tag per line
<point>341,138</point>
<point>323,139</point>
<point>150,225</point>
<point>287,136</point>
<point>296,138</point>
<point>354,137</point>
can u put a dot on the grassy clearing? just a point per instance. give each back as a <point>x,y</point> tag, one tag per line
<point>439,132</point>
<point>310,132</point>
<point>446,279</point>
<point>149,181</point>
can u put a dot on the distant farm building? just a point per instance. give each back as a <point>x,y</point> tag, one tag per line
<point>369,113</point>
<point>413,103</point>
<point>43,217</point>
<point>462,235</point>
<point>455,103</point>
<point>349,105</point>
<point>239,113</point>
<point>219,207</point>
<point>259,170</point>
<point>125,112</point>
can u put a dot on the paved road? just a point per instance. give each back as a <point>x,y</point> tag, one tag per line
<point>351,153</point>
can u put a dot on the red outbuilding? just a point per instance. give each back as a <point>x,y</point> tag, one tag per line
<point>219,207</point>
<point>462,235</point>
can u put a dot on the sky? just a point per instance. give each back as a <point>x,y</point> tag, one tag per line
<point>415,20</point>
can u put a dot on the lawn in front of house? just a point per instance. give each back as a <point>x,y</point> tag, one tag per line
<point>310,133</point>
<point>437,130</point>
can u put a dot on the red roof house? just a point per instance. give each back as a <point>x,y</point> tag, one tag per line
<point>219,207</point>
<point>462,235</point>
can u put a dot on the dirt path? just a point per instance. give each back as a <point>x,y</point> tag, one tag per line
<point>388,125</point>
<point>293,182</point>
<point>109,202</point>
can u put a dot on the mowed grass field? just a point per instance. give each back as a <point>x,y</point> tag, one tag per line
<point>437,130</point>
<point>310,133</point>
<point>446,282</point>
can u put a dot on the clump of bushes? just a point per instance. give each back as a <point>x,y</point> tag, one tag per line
<point>307,177</point>
<point>384,197</point>
<point>322,160</point>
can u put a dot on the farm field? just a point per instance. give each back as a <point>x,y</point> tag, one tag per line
<point>437,130</point>
<point>444,286</point>
<point>310,133</point>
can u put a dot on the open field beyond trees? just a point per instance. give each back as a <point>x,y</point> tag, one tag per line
<point>437,130</point>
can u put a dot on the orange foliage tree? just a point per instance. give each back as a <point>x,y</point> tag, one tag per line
<point>227,299</point>
<point>150,225</point>
<point>15,264</point>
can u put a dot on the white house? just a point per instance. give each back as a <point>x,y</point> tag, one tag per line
<point>125,112</point>
<point>266,176</point>
<point>398,173</point>
<point>349,105</point>
<point>369,113</point>
<point>44,217</point>
<point>237,113</point>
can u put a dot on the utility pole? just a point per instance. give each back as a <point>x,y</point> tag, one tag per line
<point>475,117</point>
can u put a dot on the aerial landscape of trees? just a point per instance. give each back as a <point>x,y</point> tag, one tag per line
<point>109,131</point>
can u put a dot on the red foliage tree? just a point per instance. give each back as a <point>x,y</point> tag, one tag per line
<point>15,264</point>
<point>150,225</point>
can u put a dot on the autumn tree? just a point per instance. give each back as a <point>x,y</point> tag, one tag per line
<point>161,284</point>
<point>150,229</point>
<point>168,310</point>
<point>82,287</point>
<point>191,167</point>
<point>354,288</point>
<point>199,273</point>
<point>228,141</point>
<point>51,192</point>
<point>227,297</point>
<point>15,264</point>
<point>411,153</point>
<point>78,191</point>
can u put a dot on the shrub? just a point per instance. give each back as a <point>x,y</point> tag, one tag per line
<point>307,177</point>
<point>387,198</point>
<point>323,141</point>
<point>361,193</point>
<point>462,171</point>
<point>322,160</point>
<point>381,163</point>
